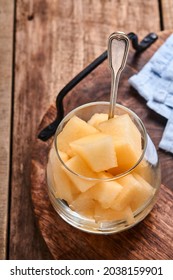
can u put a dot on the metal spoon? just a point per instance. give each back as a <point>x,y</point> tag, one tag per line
<point>118,48</point>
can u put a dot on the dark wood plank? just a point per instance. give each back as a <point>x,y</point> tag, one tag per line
<point>145,241</point>
<point>54,41</point>
<point>6,69</point>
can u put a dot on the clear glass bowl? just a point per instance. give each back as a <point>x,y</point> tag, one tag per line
<point>147,167</point>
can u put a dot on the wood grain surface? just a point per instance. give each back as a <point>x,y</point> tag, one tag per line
<point>167,12</point>
<point>54,40</point>
<point>6,59</point>
<point>152,238</point>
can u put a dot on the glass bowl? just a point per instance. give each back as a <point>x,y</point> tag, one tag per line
<point>105,221</point>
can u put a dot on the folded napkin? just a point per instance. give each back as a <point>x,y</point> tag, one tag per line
<point>155,83</point>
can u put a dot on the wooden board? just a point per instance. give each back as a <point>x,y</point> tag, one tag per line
<point>152,238</point>
<point>6,60</point>
<point>54,41</point>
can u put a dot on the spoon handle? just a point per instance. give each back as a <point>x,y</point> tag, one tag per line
<point>118,48</point>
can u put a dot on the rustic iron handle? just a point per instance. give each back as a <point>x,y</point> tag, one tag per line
<point>49,131</point>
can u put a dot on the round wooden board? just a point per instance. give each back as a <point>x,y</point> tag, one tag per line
<point>152,238</point>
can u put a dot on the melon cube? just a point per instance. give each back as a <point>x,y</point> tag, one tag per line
<point>97,118</point>
<point>109,214</point>
<point>136,191</point>
<point>127,141</point>
<point>74,129</point>
<point>50,179</point>
<point>97,150</point>
<point>129,191</point>
<point>122,127</point>
<point>83,205</point>
<point>63,188</point>
<point>126,155</point>
<point>144,170</point>
<point>78,165</point>
<point>144,194</point>
<point>63,156</point>
<point>104,192</point>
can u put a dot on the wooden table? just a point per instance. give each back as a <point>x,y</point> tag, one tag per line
<point>44,44</point>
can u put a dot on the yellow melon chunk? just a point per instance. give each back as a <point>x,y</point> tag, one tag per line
<point>104,192</point>
<point>145,192</point>
<point>63,156</point>
<point>126,155</point>
<point>79,166</point>
<point>129,191</point>
<point>97,150</point>
<point>97,118</point>
<point>83,205</point>
<point>74,129</point>
<point>127,141</point>
<point>122,127</point>
<point>136,191</point>
<point>109,214</point>
<point>53,158</point>
<point>62,187</point>
<point>144,170</point>
<point>50,179</point>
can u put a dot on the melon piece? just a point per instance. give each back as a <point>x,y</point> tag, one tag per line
<point>97,118</point>
<point>104,192</point>
<point>126,155</point>
<point>144,170</point>
<point>102,214</point>
<point>63,156</point>
<point>122,127</point>
<point>83,205</point>
<point>79,166</point>
<point>129,191</point>
<point>144,194</point>
<point>97,150</point>
<point>53,155</point>
<point>136,191</point>
<point>50,179</point>
<point>74,129</point>
<point>62,187</point>
<point>53,159</point>
<point>127,141</point>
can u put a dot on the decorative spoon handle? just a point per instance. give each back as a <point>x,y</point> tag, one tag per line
<point>118,48</point>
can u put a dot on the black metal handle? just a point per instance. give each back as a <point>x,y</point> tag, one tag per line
<point>145,43</point>
<point>49,131</point>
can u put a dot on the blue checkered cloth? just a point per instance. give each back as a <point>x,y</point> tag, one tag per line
<point>155,83</point>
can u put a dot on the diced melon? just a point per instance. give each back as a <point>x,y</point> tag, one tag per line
<point>126,155</point>
<point>97,118</point>
<point>145,192</point>
<point>78,165</point>
<point>136,191</point>
<point>129,191</point>
<point>129,217</point>
<point>104,192</point>
<point>83,205</point>
<point>105,175</point>
<point>144,170</point>
<point>122,127</point>
<point>97,150</point>
<point>127,141</point>
<point>63,156</point>
<point>53,154</point>
<point>50,179</point>
<point>63,188</point>
<point>74,129</point>
<point>113,215</point>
